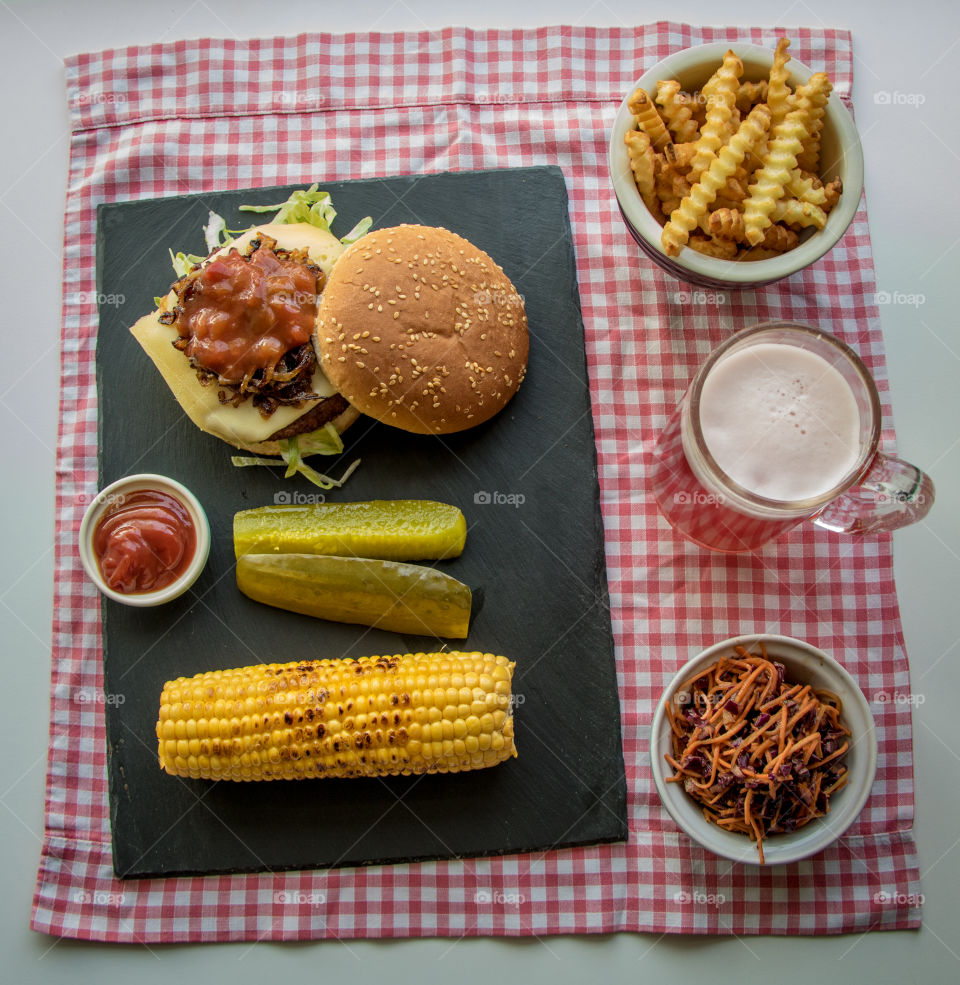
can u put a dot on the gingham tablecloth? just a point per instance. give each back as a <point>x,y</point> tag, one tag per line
<point>205,115</point>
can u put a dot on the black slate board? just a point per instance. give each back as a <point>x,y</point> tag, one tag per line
<point>537,567</point>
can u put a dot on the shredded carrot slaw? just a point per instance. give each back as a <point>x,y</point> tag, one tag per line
<point>761,755</point>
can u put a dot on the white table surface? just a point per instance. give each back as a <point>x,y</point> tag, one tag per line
<point>912,148</point>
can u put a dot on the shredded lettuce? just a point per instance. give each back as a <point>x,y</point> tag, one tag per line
<point>322,441</point>
<point>359,230</point>
<point>304,205</point>
<point>183,263</point>
<point>312,206</point>
<point>290,457</point>
<point>215,232</point>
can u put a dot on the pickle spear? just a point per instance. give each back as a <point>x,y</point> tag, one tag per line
<point>393,530</point>
<point>404,598</point>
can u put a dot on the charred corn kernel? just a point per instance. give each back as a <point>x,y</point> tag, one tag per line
<point>393,530</point>
<point>392,595</point>
<point>290,733</point>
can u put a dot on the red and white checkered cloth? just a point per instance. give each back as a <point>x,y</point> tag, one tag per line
<point>208,115</point>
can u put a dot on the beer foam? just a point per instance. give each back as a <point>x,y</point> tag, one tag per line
<point>780,421</point>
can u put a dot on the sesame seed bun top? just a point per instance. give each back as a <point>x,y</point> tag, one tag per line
<point>419,328</point>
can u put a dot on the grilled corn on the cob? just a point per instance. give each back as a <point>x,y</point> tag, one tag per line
<point>375,716</point>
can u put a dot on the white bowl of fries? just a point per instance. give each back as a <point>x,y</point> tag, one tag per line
<point>783,825</point>
<point>700,155</point>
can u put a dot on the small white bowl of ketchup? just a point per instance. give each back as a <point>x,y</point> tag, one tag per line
<point>144,540</point>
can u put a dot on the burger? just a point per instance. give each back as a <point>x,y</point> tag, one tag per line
<point>284,335</point>
<point>233,339</point>
<point>420,329</point>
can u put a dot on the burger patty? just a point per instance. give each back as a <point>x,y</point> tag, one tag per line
<point>327,410</point>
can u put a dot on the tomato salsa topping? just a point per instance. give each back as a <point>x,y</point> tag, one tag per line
<point>243,314</point>
<point>244,321</point>
<point>144,541</point>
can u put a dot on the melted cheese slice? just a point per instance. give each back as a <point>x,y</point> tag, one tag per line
<point>243,425</point>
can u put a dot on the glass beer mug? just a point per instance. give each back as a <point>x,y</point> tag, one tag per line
<point>780,425</point>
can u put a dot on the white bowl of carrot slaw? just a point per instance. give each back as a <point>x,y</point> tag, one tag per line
<point>763,749</point>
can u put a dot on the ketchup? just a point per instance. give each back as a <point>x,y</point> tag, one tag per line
<point>243,314</point>
<point>144,541</point>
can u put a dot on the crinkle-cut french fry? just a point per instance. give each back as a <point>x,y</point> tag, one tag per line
<point>779,238</point>
<point>728,224</point>
<point>833,190</point>
<point>754,160</point>
<point>717,81</point>
<point>732,124</point>
<point>726,82</point>
<point>734,190</point>
<point>671,184</point>
<point>769,182</point>
<point>698,106</point>
<point>676,111</point>
<point>819,89</point>
<point>648,119</point>
<point>720,249</point>
<point>751,93</point>
<point>642,164</point>
<point>685,218</point>
<point>793,212</point>
<point>805,189</point>
<point>680,155</point>
<point>779,98</point>
<point>667,206</point>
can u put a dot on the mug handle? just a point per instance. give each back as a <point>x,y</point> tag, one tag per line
<point>892,494</point>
